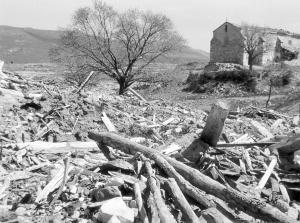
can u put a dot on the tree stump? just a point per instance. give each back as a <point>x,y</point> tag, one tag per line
<point>214,123</point>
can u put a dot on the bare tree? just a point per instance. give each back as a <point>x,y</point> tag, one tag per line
<point>119,45</point>
<point>255,44</point>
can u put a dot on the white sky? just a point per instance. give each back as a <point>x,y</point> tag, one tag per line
<point>194,19</point>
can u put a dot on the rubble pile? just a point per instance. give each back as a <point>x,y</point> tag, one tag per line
<point>91,157</point>
<point>222,79</point>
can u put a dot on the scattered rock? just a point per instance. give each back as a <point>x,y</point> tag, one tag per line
<point>116,207</point>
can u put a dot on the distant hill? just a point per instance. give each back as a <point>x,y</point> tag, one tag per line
<point>28,45</point>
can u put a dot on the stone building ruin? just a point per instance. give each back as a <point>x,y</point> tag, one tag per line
<point>227,46</point>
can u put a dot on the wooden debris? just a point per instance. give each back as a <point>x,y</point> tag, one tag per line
<point>181,202</point>
<point>241,201</point>
<point>261,129</point>
<point>250,144</point>
<point>53,184</point>
<point>44,130</point>
<point>109,125</point>
<point>216,180</point>
<point>168,121</point>
<point>164,214</point>
<point>137,94</point>
<point>85,81</point>
<point>66,163</point>
<point>267,174</point>
<point>139,201</point>
<point>59,147</point>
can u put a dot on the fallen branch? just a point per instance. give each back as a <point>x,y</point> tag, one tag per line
<point>248,204</point>
<point>245,144</point>
<point>163,212</point>
<point>139,201</point>
<point>85,81</point>
<point>181,202</point>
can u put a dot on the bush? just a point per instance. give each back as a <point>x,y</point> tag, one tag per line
<point>251,84</point>
<point>236,76</point>
<point>202,81</point>
<point>282,79</point>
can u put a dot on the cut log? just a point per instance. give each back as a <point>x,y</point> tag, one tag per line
<point>137,94</point>
<point>180,201</point>
<point>163,212</point>
<point>248,204</point>
<point>214,123</point>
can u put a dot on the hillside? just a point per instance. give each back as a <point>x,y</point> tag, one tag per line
<point>27,45</point>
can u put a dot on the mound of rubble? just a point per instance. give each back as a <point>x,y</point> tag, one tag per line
<point>222,79</point>
<point>75,156</point>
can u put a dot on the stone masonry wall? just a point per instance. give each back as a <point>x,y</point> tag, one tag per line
<point>226,53</point>
<point>226,45</point>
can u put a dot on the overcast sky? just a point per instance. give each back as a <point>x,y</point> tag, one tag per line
<point>194,19</point>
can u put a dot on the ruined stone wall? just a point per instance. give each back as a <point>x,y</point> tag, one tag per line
<point>230,52</point>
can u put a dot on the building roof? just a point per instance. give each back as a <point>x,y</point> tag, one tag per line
<point>237,26</point>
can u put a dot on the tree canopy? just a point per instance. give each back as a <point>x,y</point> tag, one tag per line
<point>119,45</point>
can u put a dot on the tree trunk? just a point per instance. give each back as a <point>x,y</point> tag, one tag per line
<point>250,62</point>
<point>123,85</point>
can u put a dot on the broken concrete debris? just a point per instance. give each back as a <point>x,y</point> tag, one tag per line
<point>88,158</point>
